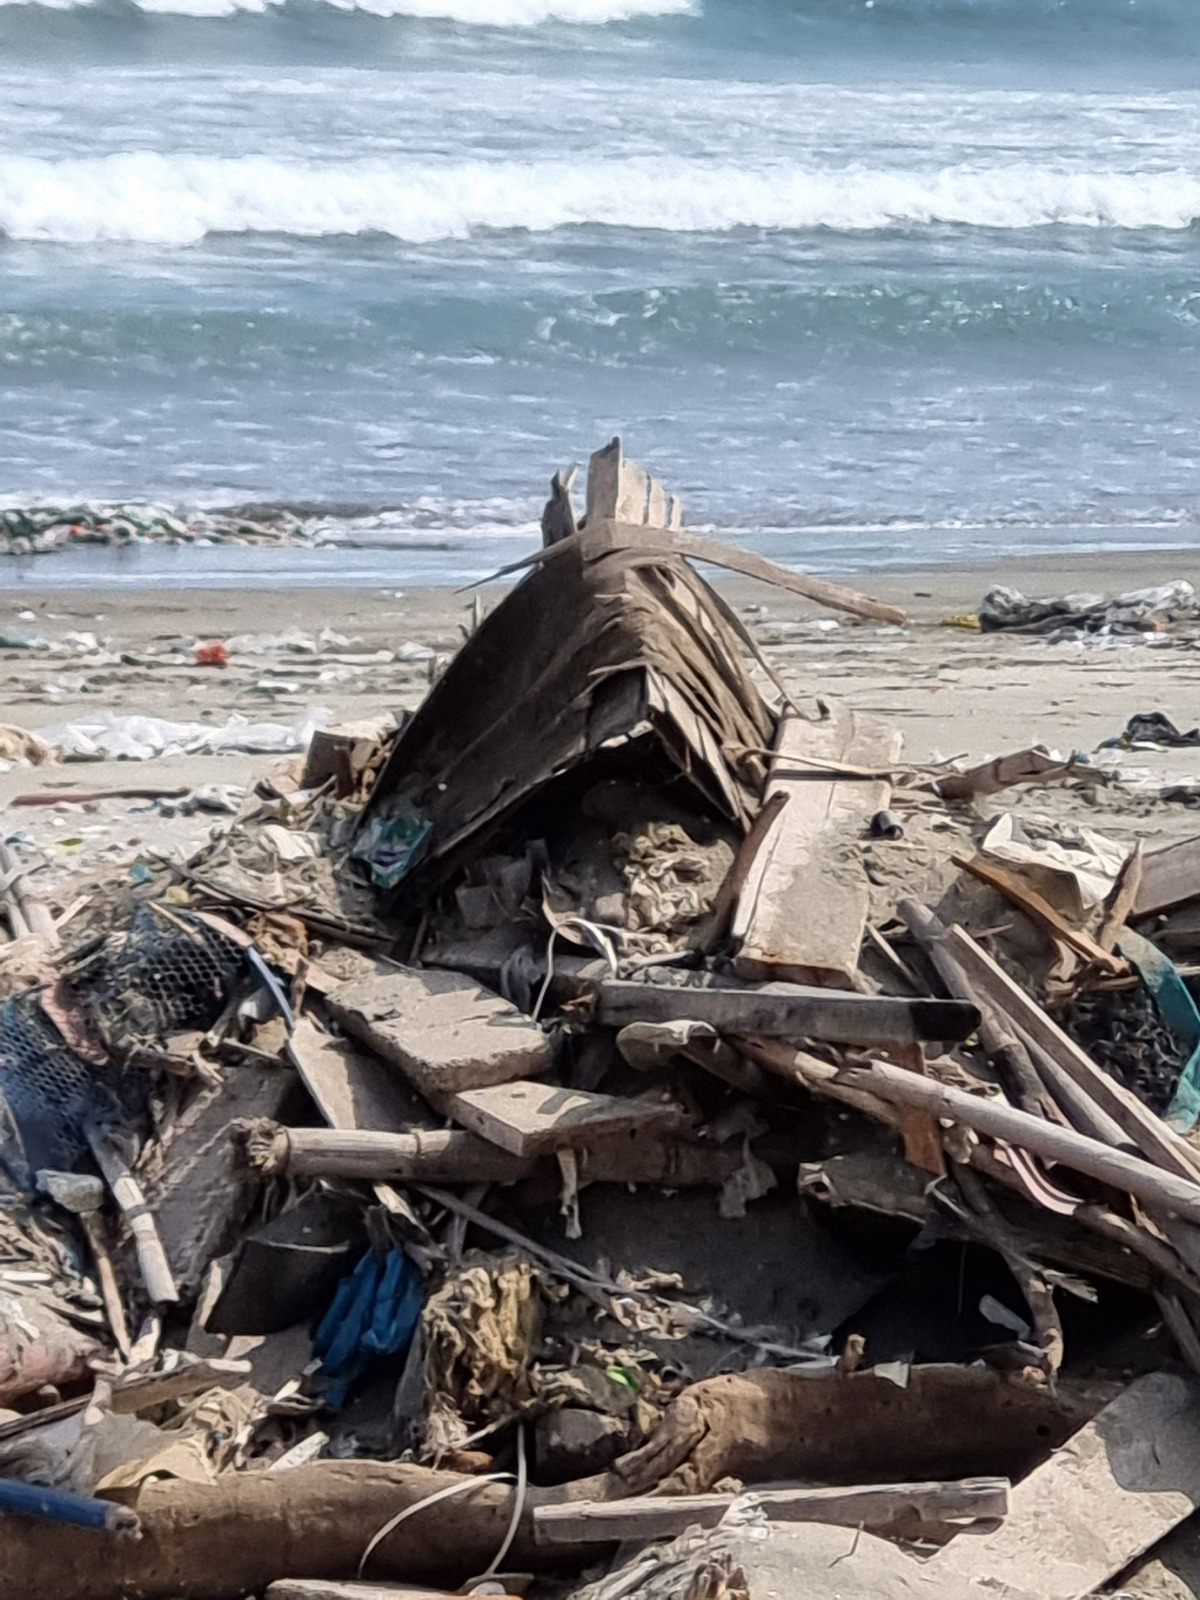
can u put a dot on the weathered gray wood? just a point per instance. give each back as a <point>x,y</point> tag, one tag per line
<point>441,1029</point>
<point>804,905</point>
<point>1124,1480</point>
<point>200,1197</point>
<point>528,1118</point>
<point>618,491</point>
<point>351,1088</point>
<point>1161,1190</point>
<point>329,1589</point>
<point>1151,1136</point>
<point>877,1505</point>
<point>787,1011</point>
<point>451,1155</point>
<point>1170,877</point>
<point>126,1191</point>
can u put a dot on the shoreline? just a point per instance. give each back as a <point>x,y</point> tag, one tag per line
<point>445,564</point>
<point>924,589</point>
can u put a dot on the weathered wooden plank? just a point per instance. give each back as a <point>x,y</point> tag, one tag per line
<point>788,1011</point>
<point>618,491</point>
<point>1170,877</point>
<point>528,1118</point>
<point>200,1197</point>
<point>1124,1480</point>
<point>441,1029</point>
<point>804,905</point>
<point>351,1088</point>
<point>330,1589</point>
<point>877,1505</point>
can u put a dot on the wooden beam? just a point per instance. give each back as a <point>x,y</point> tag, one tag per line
<point>451,1155</point>
<point>646,1517</point>
<point>801,913</point>
<point>351,1088</point>
<point>788,1011</point>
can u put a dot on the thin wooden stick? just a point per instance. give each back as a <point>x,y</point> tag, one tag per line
<point>1161,1190</point>
<point>152,1258</point>
<point>106,1277</point>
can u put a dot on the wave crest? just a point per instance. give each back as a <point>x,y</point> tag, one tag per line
<point>472,13</point>
<point>177,200</point>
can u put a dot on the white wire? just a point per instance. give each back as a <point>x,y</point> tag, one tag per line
<point>430,1500</point>
<point>518,1507</point>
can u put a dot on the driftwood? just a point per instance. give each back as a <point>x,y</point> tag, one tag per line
<point>849,1428</point>
<point>875,1506</point>
<point>209,1541</point>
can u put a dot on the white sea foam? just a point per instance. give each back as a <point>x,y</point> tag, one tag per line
<point>474,13</point>
<point>177,200</point>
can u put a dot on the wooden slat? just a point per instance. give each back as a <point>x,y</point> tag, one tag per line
<point>528,1118</point>
<point>648,1517</point>
<point>351,1088</point>
<point>1014,888</point>
<point>1170,877</point>
<point>803,908</point>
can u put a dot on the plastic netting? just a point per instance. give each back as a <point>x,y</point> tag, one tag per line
<point>168,972</point>
<point>50,1093</point>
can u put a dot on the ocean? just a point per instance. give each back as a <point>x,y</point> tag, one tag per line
<point>864,281</point>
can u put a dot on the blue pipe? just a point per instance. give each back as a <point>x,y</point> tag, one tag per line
<point>57,1505</point>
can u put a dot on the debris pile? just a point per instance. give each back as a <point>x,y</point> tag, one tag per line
<point>621,1132</point>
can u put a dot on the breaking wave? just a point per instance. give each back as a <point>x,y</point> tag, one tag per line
<point>474,13</point>
<point>178,200</point>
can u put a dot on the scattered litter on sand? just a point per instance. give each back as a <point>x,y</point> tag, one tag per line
<point>621,1131</point>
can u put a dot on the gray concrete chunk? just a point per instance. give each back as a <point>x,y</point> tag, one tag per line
<point>441,1029</point>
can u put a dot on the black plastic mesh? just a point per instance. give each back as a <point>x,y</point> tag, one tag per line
<point>166,974</point>
<point>50,1092</point>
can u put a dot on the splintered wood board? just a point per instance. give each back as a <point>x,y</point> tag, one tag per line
<point>353,1090</point>
<point>442,1029</point>
<point>802,911</point>
<point>529,1118</point>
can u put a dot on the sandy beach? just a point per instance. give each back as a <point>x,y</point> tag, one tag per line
<point>953,692</point>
